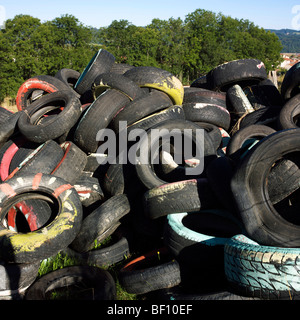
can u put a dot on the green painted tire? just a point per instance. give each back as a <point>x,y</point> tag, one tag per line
<point>262,271</point>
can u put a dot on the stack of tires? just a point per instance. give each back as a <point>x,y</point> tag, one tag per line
<point>227,232</point>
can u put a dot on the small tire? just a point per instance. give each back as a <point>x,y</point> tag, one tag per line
<point>150,272</point>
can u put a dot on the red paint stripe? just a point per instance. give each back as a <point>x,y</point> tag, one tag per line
<point>30,84</point>
<point>7,189</point>
<point>58,191</point>
<point>11,219</point>
<point>67,149</point>
<point>36,181</point>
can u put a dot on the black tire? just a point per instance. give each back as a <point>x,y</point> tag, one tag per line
<point>237,72</point>
<point>89,190</point>
<point>249,185</point>
<point>46,83</point>
<point>101,62</point>
<point>201,82</point>
<point>43,159</point>
<point>156,78</point>
<point>95,225</point>
<point>236,149</point>
<point>171,113</point>
<point>219,174</point>
<point>273,273</point>
<point>55,236</point>
<point>68,76</point>
<point>116,81</point>
<point>116,250</point>
<point>264,93</point>
<point>291,81</point>
<point>210,113</point>
<point>289,114</point>
<point>177,197</point>
<point>150,272</point>
<point>11,127</point>
<point>263,116</point>
<point>100,282</point>
<point>4,115</point>
<point>16,278</point>
<point>72,163</point>
<point>142,107</point>
<point>97,117</point>
<point>193,95</point>
<point>55,127</point>
<point>120,68</point>
<point>145,169</point>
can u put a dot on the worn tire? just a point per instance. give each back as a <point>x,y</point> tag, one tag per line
<point>260,271</point>
<point>101,62</point>
<point>249,185</point>
<point>47,241</point>
<point>95,225</point>
<point>237,72</point>
<point>101,282</point>
<point>151,77</point>
<point>57,125</point>
<point>150,272</point>
<point>289,114</point>
<point>46,83</point>
<point>177,197</point>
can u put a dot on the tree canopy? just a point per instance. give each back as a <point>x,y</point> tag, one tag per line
<point>188,49</point>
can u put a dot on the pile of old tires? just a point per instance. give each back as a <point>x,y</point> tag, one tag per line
<point>229,232</point>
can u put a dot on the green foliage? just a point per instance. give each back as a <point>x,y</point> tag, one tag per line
<point>29,47</point>
<point>289,38</point>
<point>188,49</point>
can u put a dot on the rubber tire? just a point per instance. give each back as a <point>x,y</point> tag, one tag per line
<point>238,101</point>
<point>116,81</point>
<point>177,197</point>
<point>138,278</point>
<point>102,282</point>
<point>72,163</point>
<point>47,241</point>
<point>16,278</point>
<point>171,113</point>
<point>234,148</point>
<point>142,107</point>
<point>290,84</point>
<point>289,113</point>
<point>58,125</point>
<point>43,159</point>
<point>46,83</point>
<point>260,271</point>
<point>262,222</point>
<point>11,128</point>
<point>68,76</point>
<point>236,72</point>
<point>146,172</point>
<point>4,115</point>
<point>210,113</point>
<point>101,62</point>
<point>193,95</point>
<point>97,117</point>
<point>156,78</point>
<point>89,190</point>
<point>101,219</point>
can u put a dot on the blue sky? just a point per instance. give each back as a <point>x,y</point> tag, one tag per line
<point>276,14</point>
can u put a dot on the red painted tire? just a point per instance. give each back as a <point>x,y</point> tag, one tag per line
<point>43,82</point>
<point>55,236</point>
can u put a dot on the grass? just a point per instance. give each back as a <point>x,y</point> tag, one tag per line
<point>62,260</point>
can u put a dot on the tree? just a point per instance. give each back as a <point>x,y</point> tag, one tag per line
<point>29,47</point>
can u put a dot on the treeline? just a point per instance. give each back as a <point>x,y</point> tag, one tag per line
<point>290,40</point>
<point>188,49</point>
